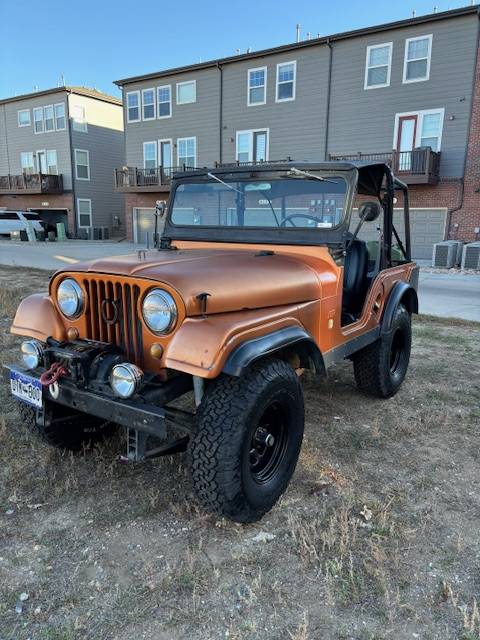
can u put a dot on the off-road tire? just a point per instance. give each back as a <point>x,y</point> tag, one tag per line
<point>381,367</point>
<point>220,453</point>
<point>63,433</point>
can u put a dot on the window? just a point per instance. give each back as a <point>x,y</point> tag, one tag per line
<point>148,104</point>
<point>24,118</point>
<point>252,146</point>
<point>186,92</point>
<point>133,106</point>
<point>38,120</point>
<point>150,155</point>
<point>418,52</point>
<point>79,118</point>
<point>60,116</point>
<point>82,165</point>
<point>257,86</point>
<point>84,210</point>
<point>52,167</point>
<point>48,118</point>
<point>418,129</point>
<point>187,151</point>
<point>26,161</point>
<point>286,80</point>
<point>164,98</point>
<point>378,66</point>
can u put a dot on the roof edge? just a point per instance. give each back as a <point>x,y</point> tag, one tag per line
<point>81,91</point>
<point>344,35</point>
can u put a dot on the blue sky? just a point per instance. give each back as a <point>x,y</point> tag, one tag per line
<point>93,42</point>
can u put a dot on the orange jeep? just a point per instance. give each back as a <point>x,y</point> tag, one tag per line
<point>258,275</point>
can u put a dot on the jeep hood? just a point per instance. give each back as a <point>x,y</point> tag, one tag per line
<point>234,279</point>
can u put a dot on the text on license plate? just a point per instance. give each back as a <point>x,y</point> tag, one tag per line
<point>26,388</point>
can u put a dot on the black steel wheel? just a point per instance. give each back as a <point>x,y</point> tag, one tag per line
<point>249,435</point>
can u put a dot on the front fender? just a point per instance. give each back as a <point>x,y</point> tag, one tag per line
<point>38,318</point>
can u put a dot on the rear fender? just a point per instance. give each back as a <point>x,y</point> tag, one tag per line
<point>38,318</point>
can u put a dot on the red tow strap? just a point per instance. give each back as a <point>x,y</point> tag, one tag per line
<point>55,372</point>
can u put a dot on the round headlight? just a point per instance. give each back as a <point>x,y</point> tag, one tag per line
<point>126,379</point>
<point>70,298</point>
<point>32,353</point>
<point>159,311</point>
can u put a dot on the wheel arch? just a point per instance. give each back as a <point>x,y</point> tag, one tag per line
<point>284,342</point>
<point>402,293</point>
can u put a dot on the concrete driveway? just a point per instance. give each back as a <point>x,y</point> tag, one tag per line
<point>453,295</point>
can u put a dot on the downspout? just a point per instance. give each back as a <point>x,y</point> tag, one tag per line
<point>72,166</point>
<point>462,180</point>
<point>329,87</point>
<point>220,116</point>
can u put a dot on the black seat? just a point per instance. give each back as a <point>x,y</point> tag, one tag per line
<point>355,277</point>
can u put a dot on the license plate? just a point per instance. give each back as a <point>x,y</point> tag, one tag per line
<point>26,388</point>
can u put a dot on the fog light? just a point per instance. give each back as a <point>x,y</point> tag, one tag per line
<point>32,353</point>
<point>126,379</point>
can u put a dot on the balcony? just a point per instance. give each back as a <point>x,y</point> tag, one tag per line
<point>419,166</point>
<point>31,183</point>
<point>133,179</point>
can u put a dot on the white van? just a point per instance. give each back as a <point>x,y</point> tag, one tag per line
<point>17,221</point>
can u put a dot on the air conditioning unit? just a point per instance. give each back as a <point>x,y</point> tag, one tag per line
<point>101,233</point>
<point>445,254</point>
<point>471,256</point>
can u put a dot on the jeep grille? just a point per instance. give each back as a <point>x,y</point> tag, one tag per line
<point>112,315</point>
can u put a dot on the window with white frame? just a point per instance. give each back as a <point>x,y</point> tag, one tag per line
<point>257,86</point>
<point>84,210</point>
<point>286,81</point>
<point>52,167</point>
<point>38,120</point>
<point>252,146</point>
<point>133,106</point>
<point>24,118</point>
<point>186,92</point>
<point>79,118</point>
<point>82,164</point>
<point>378,66</point>
<point>148,104</point>
<point>418,53</point>
<point>187,151</point>
<point>164,101</point>
<point>423,129</point>
<point>60,116</point>
<point>150,155</point>
<point>49,121</point>
<point>27,163</point>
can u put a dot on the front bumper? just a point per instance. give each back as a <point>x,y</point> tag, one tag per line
<point>132,413</point>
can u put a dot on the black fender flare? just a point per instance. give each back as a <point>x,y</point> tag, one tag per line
<point>256,348</point>
<point>401,293</point>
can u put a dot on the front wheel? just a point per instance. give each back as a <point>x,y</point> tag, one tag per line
<point>381,367</point>
<point>248,440</point>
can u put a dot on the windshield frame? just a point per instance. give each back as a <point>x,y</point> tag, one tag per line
<point>262,235</point>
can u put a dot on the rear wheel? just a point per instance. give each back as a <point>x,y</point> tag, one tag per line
<point>381,367</point>
<point>65,428</point>
<point>249,435</point>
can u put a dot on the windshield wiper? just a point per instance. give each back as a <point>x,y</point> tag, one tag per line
<point>211,175</point>
<point>298,173</point>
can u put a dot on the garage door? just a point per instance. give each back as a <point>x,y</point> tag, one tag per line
<point>427,226</point>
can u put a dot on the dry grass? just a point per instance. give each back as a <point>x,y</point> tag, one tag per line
<point>376,538</point>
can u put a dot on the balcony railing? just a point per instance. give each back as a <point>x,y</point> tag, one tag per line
<point>130,179</point>
<point>419,166</point>
<point>31,183</point>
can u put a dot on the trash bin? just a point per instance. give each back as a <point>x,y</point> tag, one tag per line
<point>51,236</point>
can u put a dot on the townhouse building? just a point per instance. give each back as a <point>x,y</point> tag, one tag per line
<point>404,92</point>
<point>58,150</point>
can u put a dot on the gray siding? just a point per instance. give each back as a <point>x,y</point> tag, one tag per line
<point>3,143</point>
<point>200,119</point>
<point>104,142</point>
<point>24,139</point>
<point>363,120</point>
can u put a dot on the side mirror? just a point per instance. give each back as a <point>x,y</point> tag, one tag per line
<point>160,208</point>
<point>369,211</point>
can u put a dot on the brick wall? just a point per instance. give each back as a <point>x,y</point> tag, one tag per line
<point>34,201</point>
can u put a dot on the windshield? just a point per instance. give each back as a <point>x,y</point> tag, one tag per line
<point>282,202</point>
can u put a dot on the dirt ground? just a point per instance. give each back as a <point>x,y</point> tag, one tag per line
<point>376,538</point>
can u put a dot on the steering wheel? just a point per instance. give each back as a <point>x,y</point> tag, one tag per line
<point>299,215</point>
